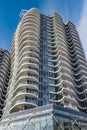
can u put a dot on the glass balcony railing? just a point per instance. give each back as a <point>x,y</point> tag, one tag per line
<point>26,100</point>
<point>28,91</point>
<point>33,69</point>
<point>31,83</point>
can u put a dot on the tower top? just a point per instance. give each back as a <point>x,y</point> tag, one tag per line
<point>23,11</point>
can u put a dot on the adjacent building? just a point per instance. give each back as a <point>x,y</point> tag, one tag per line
<point>47,65</point>
<point>4,76</point>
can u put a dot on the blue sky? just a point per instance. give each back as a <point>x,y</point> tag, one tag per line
<point>73,10</point>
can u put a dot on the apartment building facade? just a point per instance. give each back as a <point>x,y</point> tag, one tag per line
<point>47,65</point>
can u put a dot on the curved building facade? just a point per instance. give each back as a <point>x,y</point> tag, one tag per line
<point>47,64</point>
<point>4,76</point>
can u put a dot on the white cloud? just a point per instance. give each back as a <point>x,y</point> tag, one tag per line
<point>82,28</point>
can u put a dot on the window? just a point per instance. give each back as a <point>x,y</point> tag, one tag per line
<point>66,103</point>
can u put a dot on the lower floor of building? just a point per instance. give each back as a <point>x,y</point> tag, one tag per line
<point>49,117</point>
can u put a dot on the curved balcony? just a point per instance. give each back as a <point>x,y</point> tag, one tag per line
<point>84,78</point>
<point>68,84</point>
<point>23,85</point>
<point>55,45</point>
<point>29,33</point>
<point>25,78</point>
<point>26,71</point>
<point>61,32</point>
<point>5,66</point>
<point>2,75</point>
<point>29,59</point>
<point>58,36</point>
<point>30,53</point>
<point>64,89</point>
<point>64,59</point>
<point>59,26</point>
<point>32,22</point>
<point>12,55</point>
<point>75,50</point>
<point>55,77</point>
<point>70,99</point>
<point>81,85</point>
<point>82,92</point>
<point>83,63</point>
<point>63,51</point>
<point>29,42</point>
<point>19,106</point>
<point>23,89</point>
<point>76,71</point>
<point>63,40</point>
<point>62,47</point>
<point>29,37</point>
<point>65,64</point>
<point>65,98</point>
<point>73,44</point>
<point>81,57</point>
<point>59,23</point>
<point>82,67</point>
<point>57,84</point>
<point>6,62</point>
<point>82,100</point>
<point>75,53</point>
<point>2,71</point>
<point>83,108</point>
<point>56,101</point>
<point>5,69</point>
<point>25,65</point>
<point>6,59</point>
<point>66,76</point>
<point>1,80</point>
<point>67,71</point>
<point>7,54</point>
<point>75,38</point>
<point>83,72</point>
<point>68,81</point>
<point>61,58</point>
<point>60,51</point>
<point>78,68</point>
<point>69,90</point>
<point>22,94</point>
<point>28,30</point>
<point>1,104</point>
<point>34,11</point>
<point>31,17</point>
<point>29,50</point>
<point>76,56</point>
<point>4,89</point>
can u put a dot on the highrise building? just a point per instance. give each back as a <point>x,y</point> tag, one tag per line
<point>4,76</point>
<point>47,64</point>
